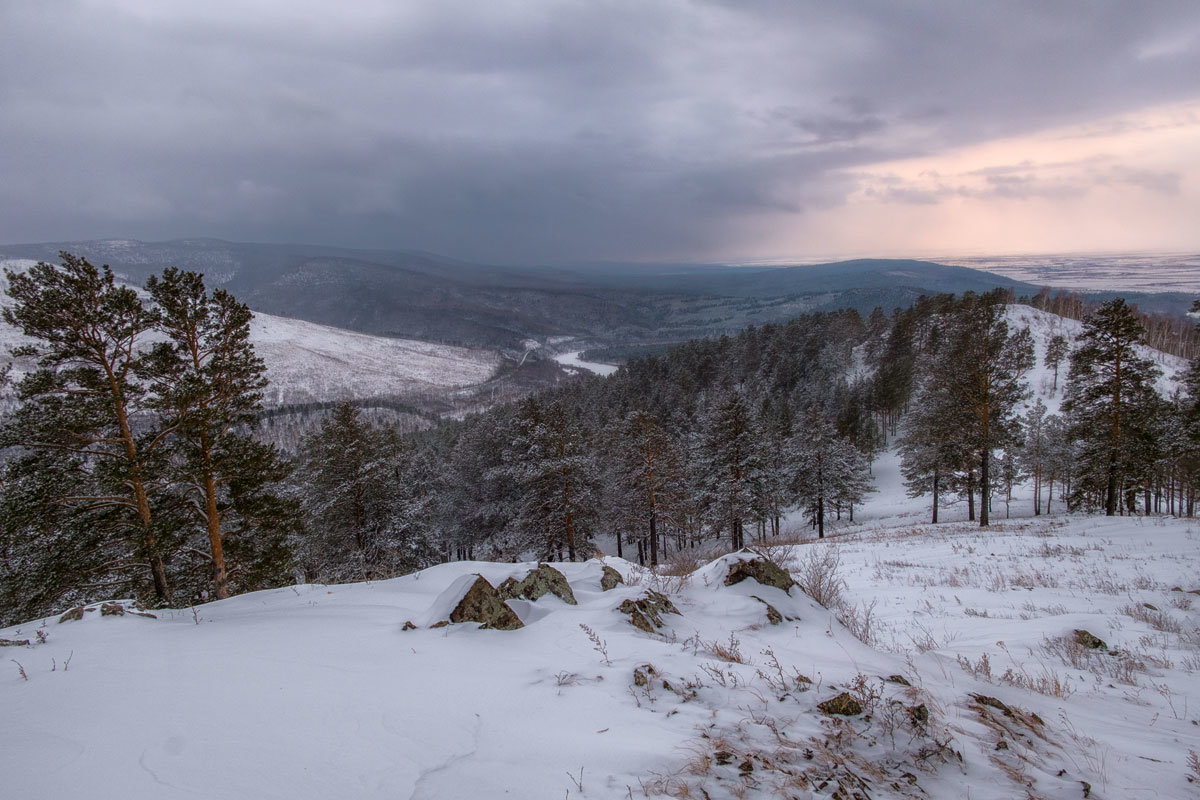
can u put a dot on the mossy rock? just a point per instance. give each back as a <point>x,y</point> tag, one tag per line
<point>763,570</point>
<point>645,613</point>
<point>112,610</point>
<point>538,582</point>
<point>609,578</point>
<point>484,605</point>
<point>843,705</point>
<point>75,613</point>
<point>1089,640</point>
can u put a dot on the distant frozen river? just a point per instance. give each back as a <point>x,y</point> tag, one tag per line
<point>573,360</point>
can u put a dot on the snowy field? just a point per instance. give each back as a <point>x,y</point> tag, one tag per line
<point>1131,272</point>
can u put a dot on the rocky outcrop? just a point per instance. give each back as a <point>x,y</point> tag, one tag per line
<point>645,613</point>
<point>537,583</point>
<point>609,578</point>
<point>483,604</point>
<point>761,569</point>
<point>843,705</point>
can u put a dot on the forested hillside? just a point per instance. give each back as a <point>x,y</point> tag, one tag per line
<point>146,472</point>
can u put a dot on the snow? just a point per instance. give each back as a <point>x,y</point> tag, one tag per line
<point>317,691</point>
<point>307,362</point>
<point>572,360</point>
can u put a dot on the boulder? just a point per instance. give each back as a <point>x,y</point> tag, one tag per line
<point>536,583</point>
<point>75,613</point>
<point>1089,640</point>
<point>112,610</point>
<point>483,604</point>
<point>645,613</point>
<point>843,705</point>
<point>609,578</point>
<point>761,569</point>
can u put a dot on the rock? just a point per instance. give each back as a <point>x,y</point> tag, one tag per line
<point>112,610</point>
<point>14,643</point>
<point>1150,606</point>
<point>992,702</point>
<point>900,679</point>
<point>408,626</point>
<point>843,705</point>
<point>441,624</point>
<point>763,570</point>
<point>609,578</point>
<point>642,674</point>
<point>484,605</point>
<point>773,615</point>
<point>75,613</point>
<point>723,757</point>
<point>1176,588</point>
<point>746,767</point>
<point>536,583</point>
<point>1089,640</point>
<point>1001,745</point>
<point>919,715</point>
<point>646,612</point>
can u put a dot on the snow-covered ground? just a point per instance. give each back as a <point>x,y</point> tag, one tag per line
<point>318,691</point>
<point>310,362</point>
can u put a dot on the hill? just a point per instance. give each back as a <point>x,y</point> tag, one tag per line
<point>960,646</point>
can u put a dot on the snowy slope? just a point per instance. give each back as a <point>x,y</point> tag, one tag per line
<point>317,691</point>
<point>307,362</point>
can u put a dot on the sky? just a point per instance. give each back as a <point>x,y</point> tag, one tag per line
<point>523,131</point>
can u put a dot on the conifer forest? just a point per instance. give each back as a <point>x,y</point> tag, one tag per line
<point>139,461</point>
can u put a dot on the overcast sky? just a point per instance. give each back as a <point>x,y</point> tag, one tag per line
<point>522,130</point>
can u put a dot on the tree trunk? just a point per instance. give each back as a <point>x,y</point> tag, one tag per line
<point>653,540</point>
<point>935,496</point>
<point>971,496</point>
<point>985,486</point>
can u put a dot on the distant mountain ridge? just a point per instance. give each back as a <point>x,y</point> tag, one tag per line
<point>426,296</point>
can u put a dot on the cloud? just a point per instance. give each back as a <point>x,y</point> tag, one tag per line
<point>530,130</point>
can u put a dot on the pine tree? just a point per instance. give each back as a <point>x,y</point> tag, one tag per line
<point>554,467</point>
<point>1035,455</point>
<point>932,446</point>
<point>348,469</point>
<point>826,470</point>
<point>649,474</point>
<point>983,367</point>
<point>1110,400</point>
<point>84,399</point>
<point>206,385</point>
<point>730,465</point>
<point>1057,348</point>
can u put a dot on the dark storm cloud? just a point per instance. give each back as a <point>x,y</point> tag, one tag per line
<point>511,131</point>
